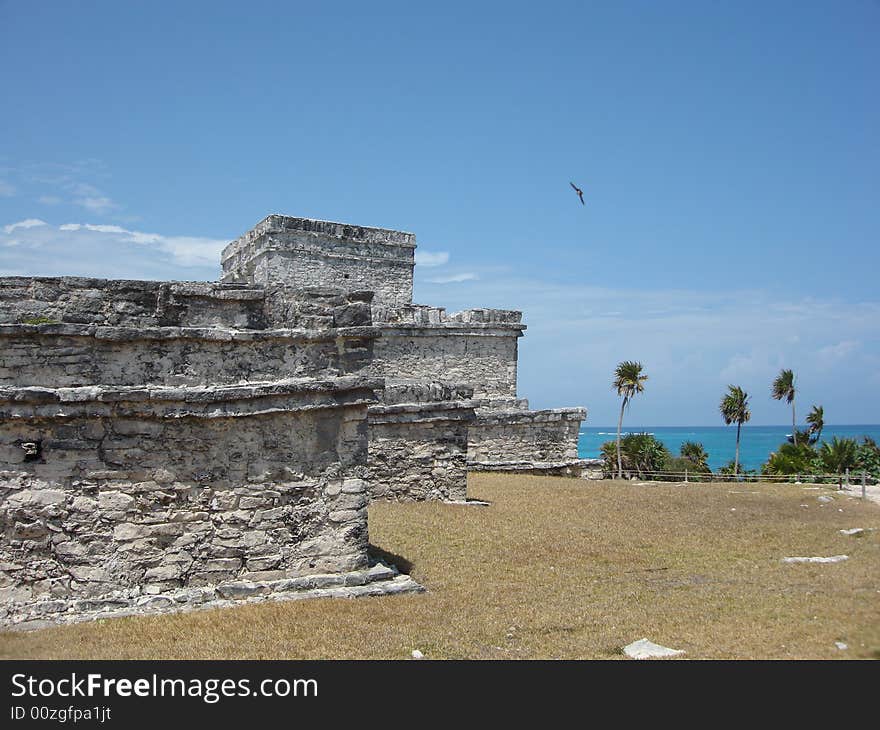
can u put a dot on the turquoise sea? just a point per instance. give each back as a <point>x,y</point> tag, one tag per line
<point>756,442</point>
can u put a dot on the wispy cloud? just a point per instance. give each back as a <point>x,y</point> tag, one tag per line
<point>831,355</point>
<point>692,343</point>
<point>56,183</point>
<point>25,224</point>
<point>454,278</point>
<point>7,190</point>
<point>92,199</point>
<point>431,258</point>
<point>95,249</point>
<point>184,250</point>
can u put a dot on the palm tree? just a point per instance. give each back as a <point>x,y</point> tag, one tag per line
<point>783,387</point>
<point>839,455</point>
<point>735,409</point>
<point>628,381</point>
<point>694,452</point>
<point>816,419</point>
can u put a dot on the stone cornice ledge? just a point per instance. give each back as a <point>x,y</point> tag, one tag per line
<point>123,333</point>
<point>513,416</point>
<point>249,399</point>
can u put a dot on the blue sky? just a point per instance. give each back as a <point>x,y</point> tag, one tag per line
<point>728,153</point>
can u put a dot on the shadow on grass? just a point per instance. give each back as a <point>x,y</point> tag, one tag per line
<point>398,561</point>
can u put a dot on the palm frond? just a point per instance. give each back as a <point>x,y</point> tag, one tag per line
<point>734,406</point>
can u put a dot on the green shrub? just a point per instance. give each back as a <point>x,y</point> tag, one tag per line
<point>640,453</point>
<point>868,458</point>
<point>789,459</point>
<point>696,454</point>
<point>679,465</point>
<point>729,469</point>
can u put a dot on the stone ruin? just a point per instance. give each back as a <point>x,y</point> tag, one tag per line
<point>173,445</point>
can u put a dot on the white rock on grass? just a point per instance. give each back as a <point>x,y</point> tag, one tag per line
<point>644,649</point>
<point>853,531</point>
<point>825,498</point>
<point>831,559</point>
<point>840,645</point>
<point>417,654</point>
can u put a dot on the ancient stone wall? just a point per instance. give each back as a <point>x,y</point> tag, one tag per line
<point>138,304</point>
<point>419,441</point>
<point>300,252</point>
<point>539,441</point>
<point>173,444</point>
<point>79,300</point>
<point>462,348</point>
<point>112,495</point>
<point>70,354</point>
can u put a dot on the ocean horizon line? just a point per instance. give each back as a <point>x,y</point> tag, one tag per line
<point>732,425</point>
<point>756,444</point>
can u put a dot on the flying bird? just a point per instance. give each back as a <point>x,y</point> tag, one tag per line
<point>579,192</point>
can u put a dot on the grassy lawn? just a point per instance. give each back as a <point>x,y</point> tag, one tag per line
<point>559,568</point>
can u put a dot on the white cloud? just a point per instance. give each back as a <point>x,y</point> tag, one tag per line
<point>89,249</point>
<point>692,343</point>
<point>756,365</point>
<point>68,179</point>
<point>7,190</point>
<point>101,228</point>
<point>96,205</point>
<point>92,199</point>
<point>184,250</point>
<point>454,279</point>
<point>25,224</point>
<point>831,355</point>
<point>432,258</point>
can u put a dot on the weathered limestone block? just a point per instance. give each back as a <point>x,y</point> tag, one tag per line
<point>418,441</point>
<point>73,355</point>
<point>183,305</point>
<point>543,442</point>
<point>79,300</point>
<point>481,355</point>
<point>304,252</point>
<point>150,490</point>
<point>377,580</point>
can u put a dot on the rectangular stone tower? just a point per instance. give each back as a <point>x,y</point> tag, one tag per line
<point>301,252</point>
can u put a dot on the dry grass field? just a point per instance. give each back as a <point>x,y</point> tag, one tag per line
<point>559,568</point>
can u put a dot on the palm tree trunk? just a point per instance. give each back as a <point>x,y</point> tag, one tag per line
<point>736,459</point>
<point>619,426</point>
<point>793,422</point>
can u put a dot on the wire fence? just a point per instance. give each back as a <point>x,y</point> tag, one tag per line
<point>846,479</point>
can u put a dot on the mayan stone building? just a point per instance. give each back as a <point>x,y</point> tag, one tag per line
<point>473,350</point>
<point>170,445</point>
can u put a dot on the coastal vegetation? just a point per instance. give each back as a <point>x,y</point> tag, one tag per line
<point>635,454</point>
<point>644,456</point>
<point>803,454</point>
<point>735,409</point>
<point>816,419</point>
<point>783,389</point>
<point>629,381</point>
<point>836,457</point>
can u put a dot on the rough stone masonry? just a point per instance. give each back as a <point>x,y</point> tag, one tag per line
<point>174,445</point>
